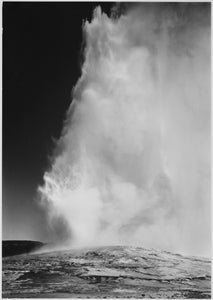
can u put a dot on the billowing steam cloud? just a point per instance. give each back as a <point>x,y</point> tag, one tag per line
<point>133,160</point>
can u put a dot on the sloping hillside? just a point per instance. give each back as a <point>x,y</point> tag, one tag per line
<point>106,272</point>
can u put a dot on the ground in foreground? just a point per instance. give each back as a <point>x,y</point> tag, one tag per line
<point>106,272</point>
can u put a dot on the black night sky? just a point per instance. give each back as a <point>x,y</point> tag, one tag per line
<point>41,64</point>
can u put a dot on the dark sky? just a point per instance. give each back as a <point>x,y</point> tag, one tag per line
<point>41,64</point>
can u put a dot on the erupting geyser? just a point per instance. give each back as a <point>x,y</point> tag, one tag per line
<point>133,160</point>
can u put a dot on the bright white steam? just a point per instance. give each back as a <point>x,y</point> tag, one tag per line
<point>133,163</point>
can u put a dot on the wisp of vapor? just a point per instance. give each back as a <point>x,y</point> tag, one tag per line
<point>133,159</point>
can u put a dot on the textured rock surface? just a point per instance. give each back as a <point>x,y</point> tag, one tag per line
<point>107,272</point>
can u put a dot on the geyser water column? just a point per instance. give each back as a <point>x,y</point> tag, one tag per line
<point>133,162</point>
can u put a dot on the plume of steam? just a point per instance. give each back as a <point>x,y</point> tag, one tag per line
<point>134,159</point>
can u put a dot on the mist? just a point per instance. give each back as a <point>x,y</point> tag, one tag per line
<point>132,165</point>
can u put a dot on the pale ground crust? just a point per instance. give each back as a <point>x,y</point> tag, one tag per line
<point>106,272</point>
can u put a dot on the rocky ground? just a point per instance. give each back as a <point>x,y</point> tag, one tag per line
<point>106,272</point>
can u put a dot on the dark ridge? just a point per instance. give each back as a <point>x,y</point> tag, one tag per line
<point>16,247</point>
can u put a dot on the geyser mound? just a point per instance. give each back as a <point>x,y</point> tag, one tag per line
<point>107,272</point>
<point>133,164</point>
